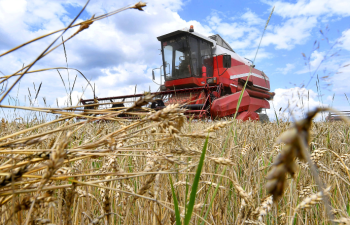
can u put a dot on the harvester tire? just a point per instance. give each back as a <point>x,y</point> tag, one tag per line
<point>264,118</point>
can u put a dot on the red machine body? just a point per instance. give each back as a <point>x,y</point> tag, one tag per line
<point>206,76</point>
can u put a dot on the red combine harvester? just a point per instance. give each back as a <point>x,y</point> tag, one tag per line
<point>206,76</point>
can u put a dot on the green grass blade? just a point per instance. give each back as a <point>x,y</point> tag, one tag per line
<point>206,199</point>
<point>213,197</point>
<point>250,71</point>
<point>186,193</point>
<point>222,153</point>
<point>195,184</point>
<point>278,123</point>
<point>176,204</point>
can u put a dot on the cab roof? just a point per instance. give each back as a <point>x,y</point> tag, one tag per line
<point>186,31</point>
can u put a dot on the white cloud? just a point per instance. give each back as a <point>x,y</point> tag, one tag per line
<point>289,67</point>
<point>311,8</point>
<point>252,18</point>
<point>121,80</point>
<point>70,100</point>
<point>316,62</point>
<point>293,102</point>
<point>116,53</point>
<point>341,80</point>
<point>240,30</point>
<point>293,32</point>
<point>262,54</point>
<point>316,59</point>
<point>29,19</point>
<point>300,18</point>
<point>345,39</point>
<point>244,32</point>
<point>241,34</point>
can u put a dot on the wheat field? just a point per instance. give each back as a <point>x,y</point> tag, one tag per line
<point>116,171</point>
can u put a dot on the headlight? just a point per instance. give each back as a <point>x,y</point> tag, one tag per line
<point>211,80</point>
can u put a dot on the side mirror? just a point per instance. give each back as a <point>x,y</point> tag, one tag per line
<point>153,77</point>
<point>226,61</point>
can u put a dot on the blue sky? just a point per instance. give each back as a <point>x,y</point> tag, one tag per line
<point>119,52</point>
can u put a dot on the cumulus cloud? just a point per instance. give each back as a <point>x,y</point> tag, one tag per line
<point>239,33</point>
<point>293,102</point>
<point>294,31</point>
<point>243,33</point>
<point>289,67</point>
<point>116,53</point>
<point>70,99</point>
<point>121,81</point>
<point>311,8</point>
<point>299,20</point>
<point>300,17</point>
<point>252,18</point>
<point>316,61</point>
<point>345,39</point>
<point>341,80</point>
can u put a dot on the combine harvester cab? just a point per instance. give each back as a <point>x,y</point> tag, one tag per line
<point>206,76</point>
